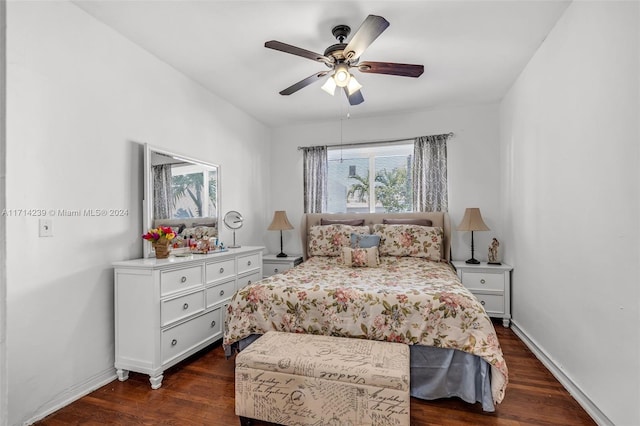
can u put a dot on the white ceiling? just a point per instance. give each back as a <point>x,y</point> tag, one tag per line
<point>472,51</point>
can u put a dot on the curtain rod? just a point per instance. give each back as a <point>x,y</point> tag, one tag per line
<point>387,141</point>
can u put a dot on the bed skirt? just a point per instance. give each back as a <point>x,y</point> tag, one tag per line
<point>435,373</point>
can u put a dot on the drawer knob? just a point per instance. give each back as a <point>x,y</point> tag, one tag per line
<point>221,292</point>
<point>174,342</point>
<point>275,270</point>
<point>482,281</point>
<point>221,270</point>
<point>249,263</point>
<point>482,302</point>
<point>185,306</point>
<point>248,282</point>
<point>183,279</point>
<point>213,323</point>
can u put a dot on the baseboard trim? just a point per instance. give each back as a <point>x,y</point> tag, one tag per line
<point>73,393</point>
<point>598,416</point>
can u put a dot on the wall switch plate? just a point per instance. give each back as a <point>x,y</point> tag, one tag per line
<point>46,227</point>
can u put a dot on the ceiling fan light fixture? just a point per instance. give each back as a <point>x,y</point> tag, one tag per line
<point>341,76</point>
<point>329,86</point>
<point>353,86</point>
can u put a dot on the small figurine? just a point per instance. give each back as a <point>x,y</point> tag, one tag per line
<point>493,252</point>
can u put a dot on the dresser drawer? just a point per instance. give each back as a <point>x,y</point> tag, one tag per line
<point>492,303</point>
<point>180,279</point>
<point>181,307</point>
<point>483,281</point>
<point>217,271</point>
<point>249,262</point>
<point>220,292</point>
<point>248,279</point>
<point>181,338</point>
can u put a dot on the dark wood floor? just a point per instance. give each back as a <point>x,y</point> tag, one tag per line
<point>200,391</point>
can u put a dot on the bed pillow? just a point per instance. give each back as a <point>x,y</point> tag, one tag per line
<point>408,221</point>
<point>360,257</point>
<point>328,240</point>
<point>410,240</point>
<point>365,240</point>
<point>352,222</point>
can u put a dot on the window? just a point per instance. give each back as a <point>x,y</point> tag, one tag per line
<point>191,197</point>
<point>374,178</point>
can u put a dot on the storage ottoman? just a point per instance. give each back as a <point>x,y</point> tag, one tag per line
<point>304,379</point>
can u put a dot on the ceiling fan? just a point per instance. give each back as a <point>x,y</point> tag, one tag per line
<point>341,57</point>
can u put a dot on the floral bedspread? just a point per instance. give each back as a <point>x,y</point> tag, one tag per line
<point>407,299</point>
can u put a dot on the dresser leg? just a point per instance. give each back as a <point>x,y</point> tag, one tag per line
<point>122,374</point>
<point>505,322</point>
<point>156,381</point>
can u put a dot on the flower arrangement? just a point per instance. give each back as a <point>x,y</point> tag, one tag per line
<point>160,233</point>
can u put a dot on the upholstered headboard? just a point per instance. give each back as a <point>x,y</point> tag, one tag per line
<point>440,219</point>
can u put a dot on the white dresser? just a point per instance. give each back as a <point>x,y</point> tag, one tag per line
<point>491,284</point>
<point>168,309</point>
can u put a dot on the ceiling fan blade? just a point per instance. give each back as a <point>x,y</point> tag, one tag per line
<point>391,68</point>
<point>287,48</point>
<point>370,29</point>
<point>356,98</point>
<point>303,83</point>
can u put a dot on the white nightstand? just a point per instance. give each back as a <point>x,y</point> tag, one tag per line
<point>491,284</point>
<point>271,264</point>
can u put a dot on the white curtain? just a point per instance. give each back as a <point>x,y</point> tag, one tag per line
<point>162,192</point>
<point>430,192</point>
<point>315,170</point>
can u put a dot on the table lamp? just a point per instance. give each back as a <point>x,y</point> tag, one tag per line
<point>472,221</point>
<point>280,223</point>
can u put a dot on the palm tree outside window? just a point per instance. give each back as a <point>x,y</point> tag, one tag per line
<point>370,178</point>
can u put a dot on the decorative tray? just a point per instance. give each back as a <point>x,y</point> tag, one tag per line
<point>190,252</point>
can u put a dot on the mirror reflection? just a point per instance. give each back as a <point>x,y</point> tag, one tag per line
<point>180,192</point>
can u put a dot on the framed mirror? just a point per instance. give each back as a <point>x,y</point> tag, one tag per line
<point>180,192</point>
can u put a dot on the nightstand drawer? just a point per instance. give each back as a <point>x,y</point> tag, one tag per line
<point>483,281</point>
<point>275,268</point>
<point>492,303</point>
<point>272,264</point>
<point>180,279</point>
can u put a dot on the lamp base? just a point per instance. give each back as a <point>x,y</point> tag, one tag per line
<point>472,261</point>
<point>281,254</point>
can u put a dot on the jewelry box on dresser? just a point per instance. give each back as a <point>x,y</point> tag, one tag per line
<point>168,309</point>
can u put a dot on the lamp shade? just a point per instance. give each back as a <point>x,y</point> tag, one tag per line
<point>341,76</point>
<point>472,221</point>
<point>329,86</point>
<point>280,221</point>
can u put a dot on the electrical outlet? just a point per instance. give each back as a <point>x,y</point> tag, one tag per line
<point>46,227</point>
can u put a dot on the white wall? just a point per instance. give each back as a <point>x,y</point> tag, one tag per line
<point>3,229</point>
<point>473,171</point>
<point>570,161</point>
<point>80,99</point>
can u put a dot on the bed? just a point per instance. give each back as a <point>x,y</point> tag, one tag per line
<point>382,281</point>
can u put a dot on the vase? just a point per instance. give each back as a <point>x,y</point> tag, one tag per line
<point>162,249</point>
